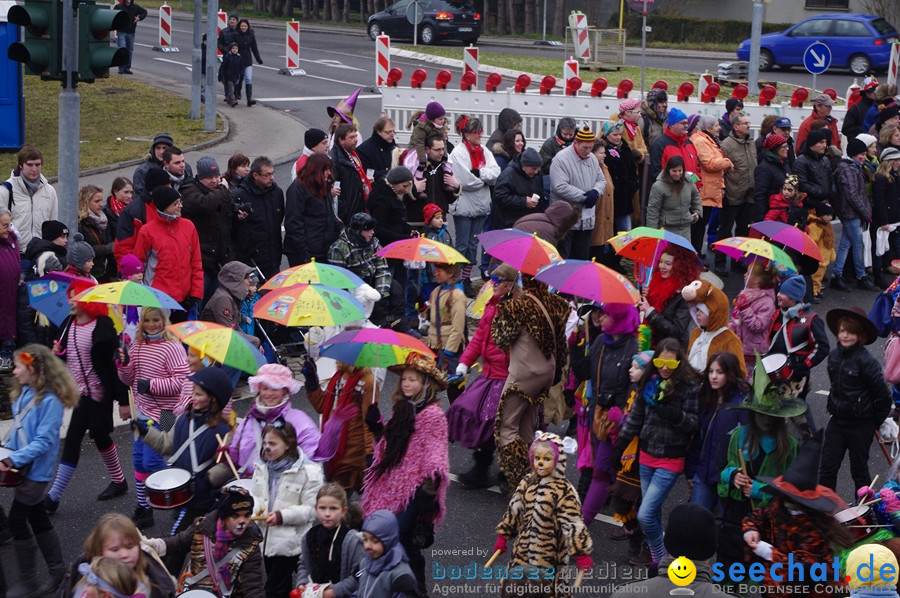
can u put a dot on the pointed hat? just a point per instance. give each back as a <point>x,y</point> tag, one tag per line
<point>800,482</point>
<point>346,107</point>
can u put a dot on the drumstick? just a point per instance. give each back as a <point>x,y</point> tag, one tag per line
<point>131,406</point>
<point>871,502</point>
<point>871,487</point>
<point>744,471</point>
<point>259,517</point>
<point>493,558</point>
<point>234,470</point>
<point>579,579</point>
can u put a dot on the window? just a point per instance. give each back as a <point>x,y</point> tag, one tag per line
<point>851,29</point>
<point>829,4</point>
<point>813,28</point>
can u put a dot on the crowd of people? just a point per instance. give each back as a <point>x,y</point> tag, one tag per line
<point>680,383</point>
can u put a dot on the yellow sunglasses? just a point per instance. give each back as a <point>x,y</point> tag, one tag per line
<point>666,363</point>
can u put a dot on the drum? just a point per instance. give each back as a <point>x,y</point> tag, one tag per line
<point>12,477</point>
<point>169,488</point>
<point>245,483</point>
<point>197,594</point>
<point>859,520</point>
<point>776,365</point>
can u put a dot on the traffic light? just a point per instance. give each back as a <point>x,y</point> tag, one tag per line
<point>95,55</point>
<point>40,48</point>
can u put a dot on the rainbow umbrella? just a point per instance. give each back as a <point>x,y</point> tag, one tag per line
<point>128,293</point>
<point>526,252</point>
<point>308,305</point>
<point>373,347</point>
<point>589,280</point>
<point>787,236</point>
<point>314,273</point>
<point>476,308</point>
<point>749,250</point>
<point>221,343</point>
<point>420,249</point>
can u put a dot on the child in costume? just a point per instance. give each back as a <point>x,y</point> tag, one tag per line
<point>410,469</point>
<point>384,571</point>
<point>753,309</point>
<point>447,317</point>
<point>331,552</point>
<point>709,309</point>
<point>544,516</point>
<point>787,206</point>
<point>818,226</point>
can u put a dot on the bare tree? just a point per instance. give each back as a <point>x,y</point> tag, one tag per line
<point>501,18</point>
<point>529,16</point>
<point>889,9</point>
<point>511,17</point>
<point>335,10</point>
<point>558,17</point>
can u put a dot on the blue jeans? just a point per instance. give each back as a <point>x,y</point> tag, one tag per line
<point>621,223</point>
<point>705,495</point>
<point>126,40</point>
<point>466,241</point>
<point>655,486</point>
<point>248,75</point>
<point>851,236</point>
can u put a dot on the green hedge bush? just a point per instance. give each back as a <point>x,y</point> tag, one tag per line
<point>669,29</point>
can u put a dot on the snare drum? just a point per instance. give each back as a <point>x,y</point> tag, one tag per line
<point>243,483</point>
<point>169,488</point>
<point>858,520</point>
<point>776,365</point>
<point>12,477</point>
<point>197,594</point>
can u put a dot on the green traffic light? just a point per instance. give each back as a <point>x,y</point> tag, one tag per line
<point>39,49</point>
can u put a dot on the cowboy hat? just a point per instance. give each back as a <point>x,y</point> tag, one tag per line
<point>423,364</point>
<point>870,331</point>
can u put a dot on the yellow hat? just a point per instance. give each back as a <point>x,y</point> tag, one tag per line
<point>864,566</point>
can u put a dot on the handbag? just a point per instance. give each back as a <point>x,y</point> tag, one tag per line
<point>892,359</point>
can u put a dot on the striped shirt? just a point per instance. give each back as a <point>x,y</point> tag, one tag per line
<point>163,363</point>
<point>78,359</point>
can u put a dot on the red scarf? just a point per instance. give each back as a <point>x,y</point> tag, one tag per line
<point>115,206</point>
<point>367,187</point>
<point>661,290</point>
<point>630,128</point>
<point>348,391</point>
<point>476,155</point>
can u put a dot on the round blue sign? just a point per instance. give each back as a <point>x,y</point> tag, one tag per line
<point>817,58</point>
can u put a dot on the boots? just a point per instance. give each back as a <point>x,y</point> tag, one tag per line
<point>513,459</point>
<point>4,527</point>
<point>237,89</point>
<point>638,551</point>
<point>250,100</point>
<point>48,543</point>
<point>478,477</point>
<point>28,584</point>
<point>584,482</point>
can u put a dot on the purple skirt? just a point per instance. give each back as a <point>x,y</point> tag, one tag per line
<point>470,419</point>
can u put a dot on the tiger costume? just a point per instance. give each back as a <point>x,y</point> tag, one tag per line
<point>544,517</point>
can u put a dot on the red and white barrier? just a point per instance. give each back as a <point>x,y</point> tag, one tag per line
<point>578,23</point>
<point>292,50</point>
<point>382,59</point>
<point>165,30</point>
<point>703,83</point>
<point>894,64</point>
<point>470,62</point>
<point>570,69</point>
<point>221,23</point>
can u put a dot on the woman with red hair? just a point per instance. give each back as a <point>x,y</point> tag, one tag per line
<point>662,305</point>
<point>88,344</point>
<point>310,222</point>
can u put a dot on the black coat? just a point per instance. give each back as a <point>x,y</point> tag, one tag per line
<point>246,44</point>
<point>132,10</point>
<point>212,212</point>
<point>885,200</point>
<point>389,213</point>
<point>858,389</point>
<point>257,238</point>
<point>310,226</point>
<point>768,178</point>
<point>624,175</point>
<point>674,320</point>
<point>226,37</point>
<point>101,241</point>
<point>375,153</point>
<point>104,343</point>
<point>512,189</point>
<point>816,178</point>
<point>352,199</point>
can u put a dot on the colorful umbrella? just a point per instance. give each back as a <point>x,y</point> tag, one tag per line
<point>750,250</point>
<point>128,293</point>
<point>373,347</point>
<point>476,308</point>
<point>420,249</point>
<point>788,236</point>
<point>223,344</point>
<point>526,252</point>
<point>644,244</point>
<point>589,280</point>
<point>308,305</point>
<point>48,295</point>
<point>314,273</point>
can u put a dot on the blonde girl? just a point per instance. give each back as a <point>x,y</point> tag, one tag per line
<point>94,225</point>
<point>105,578</point>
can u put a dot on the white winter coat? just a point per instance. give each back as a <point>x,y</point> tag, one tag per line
<point>29,213</point>
<point>475,193</point>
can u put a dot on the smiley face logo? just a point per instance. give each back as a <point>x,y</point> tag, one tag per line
<point>682,571</point>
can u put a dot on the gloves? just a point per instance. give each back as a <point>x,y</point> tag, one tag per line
<point>141,425</point>
<point>742,302</point>
<point>157,544</point>
<point>143,387</point>
<point>462,369</point>
<point>569,397</point>
<point>189,303</point>
<point>311,373</point>
<point>590,198</point>
<point>800,370</point>
<point>614,414</point>
<point>476,173</point>
<point>500,544</point>
<point>373,419</point>
<point>617,459</point>
<point>669,413</point>
<point>584,562</point>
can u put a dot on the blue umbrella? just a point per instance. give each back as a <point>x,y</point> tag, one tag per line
<point>47,295</point>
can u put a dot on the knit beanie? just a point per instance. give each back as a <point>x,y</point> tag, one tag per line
<point>864,566</point>
<point>732,103</point>
<point>675,116</point>
<point>130,265</point>
<point>313,137</point>
<point>856,147</point>
<point>233,501</point>
<point>530,157</point>
<point>643,359</point>
<point>889,153</point>
<point>434,110</point>
<point>53,229</point>
<point>773,140</point>
<point>585,134</point>
<point>867,139</point>
<point>398,174</point>
<point>794,288</point>
<point>692,532</point>
<point>78,252</point>
<point>823,208</point>
<point>817,136</point>
<point>207,167</point>
<point>693,119</point>
<point>430,211</point>
<point>163,197</point>
<point>163,138</point>
<point>156,177</point>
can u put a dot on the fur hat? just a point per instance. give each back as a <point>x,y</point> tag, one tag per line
<point>78,252</point>
<point>234,499</point>
<point>870,331</point>
<point>691,532</point>
<point>274,375</point>
<point>675,116</point>
<point>216,382</point>
<point>313,137</point>
<point>817,136</point>
<point>856,147</point>
<point>398,174</point>
<point>794,288</point>
<point>53,229</point>
<point>130,265</point>
<point>434,110</point>
<point>163,197</point>
<point>585,134</point>
<point>655,96</point>
<point>430,211</point>
<point>530,157</point>
<point>207,167</point>
<point>423,364</point>
<point>156,177</point>
<point>773,140</point>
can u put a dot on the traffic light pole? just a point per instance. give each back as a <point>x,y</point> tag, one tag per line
<point>209,115</point>
<point>69,119</point>
<point>196,53</point>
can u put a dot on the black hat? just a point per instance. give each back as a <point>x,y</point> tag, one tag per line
<point>216,382</point>
<point>823,208</point>
<point>870,331</point>
<point>234,499</point>
<point>732,103</point>
<point>399,174</point>
<point>163,138</point>
<point>816,136</point>
<point>888,112</point>
<point>313,137</point>
<point>362,221</point>
<point>691,532</point>
<point>800,483</point>
<point>856,147</point>
<point>163,197</point>
<point>156,177</point>
<point>53,229</point>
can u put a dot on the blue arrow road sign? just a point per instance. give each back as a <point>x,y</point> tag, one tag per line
<point>817,58</point>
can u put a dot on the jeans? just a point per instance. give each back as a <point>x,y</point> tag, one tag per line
<point>705,495</point>
<point>126,40</point>
<point>576,245</point>
<point>655,486</point>
<point>466,229</point>
<point>248,75</point>
<point>621,223</point>
<point>851,236</point>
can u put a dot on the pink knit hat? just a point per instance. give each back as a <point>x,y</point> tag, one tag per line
<point>629,104</point>
<point>274,375</point>
<point>130,265</point>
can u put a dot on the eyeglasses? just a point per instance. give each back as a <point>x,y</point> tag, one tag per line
<point>666,363</point>
<point>683,122</point>
<point>266,175</point>
<point>388,131</point>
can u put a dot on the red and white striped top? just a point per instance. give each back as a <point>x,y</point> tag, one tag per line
<point>78,356</point>
<point>163,363</point>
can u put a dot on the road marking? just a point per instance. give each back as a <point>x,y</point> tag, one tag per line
<point>187,66</point>
<point>317,98</point>
<point>823,392</point>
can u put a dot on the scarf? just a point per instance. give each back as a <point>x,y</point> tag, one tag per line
<point>220,549</point>
<point>325,548</point>
<point>774,156</point>
<point>152,338</point>
<point>630,128</point>
<point>357,164</point>
<point>340,392</point>
<point>653,392</point>
<point>31,187</point>
<point>99,220</point>
<point>115,206</point>
<point>263,409</point>
<point>167,217</point>
<point>476,155</point>
<point>661,290</point>
<point>177,181</point>
<point>276,468</point>
<point>792,312</point>
<point>629,455</point>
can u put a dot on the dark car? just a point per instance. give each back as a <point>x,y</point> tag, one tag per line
<point>860,43</point>
<point>444,19</point>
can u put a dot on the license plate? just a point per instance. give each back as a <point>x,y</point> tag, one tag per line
<point>465,29</point>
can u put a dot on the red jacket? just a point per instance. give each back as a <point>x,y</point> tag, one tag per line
<point>171,253</point>
<point>669,145</point>
<point>495,361</point>
<point>803,132</point>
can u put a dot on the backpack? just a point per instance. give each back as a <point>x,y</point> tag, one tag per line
<point>9,203</point>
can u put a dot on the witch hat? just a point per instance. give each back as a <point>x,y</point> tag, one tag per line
<point>776,399</point>
<point>346,107</point>
<point>800,482</point>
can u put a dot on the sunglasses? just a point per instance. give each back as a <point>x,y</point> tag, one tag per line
<point>666,363</point>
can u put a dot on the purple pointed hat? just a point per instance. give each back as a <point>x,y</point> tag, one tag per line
<point>346,107</point>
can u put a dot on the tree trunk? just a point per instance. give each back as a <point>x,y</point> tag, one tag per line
<point>501,17</point>
<point>529,15</point>
<point>511,17</point>
<point>335,11</point>
<point>304,9</point>
<point>346,13</point>
<point>558,17</point>
<point>287,10</point>
<point>326,10</point>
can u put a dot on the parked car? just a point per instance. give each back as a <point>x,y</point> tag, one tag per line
<point>861,43</point>
<point>444,19</point>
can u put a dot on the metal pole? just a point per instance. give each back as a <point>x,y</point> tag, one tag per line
<point>643,46</point>
<point>69,120</point>
<point>415,5</point>
<point>544,32</point>
<point>196,54</point>
<point>755,34</point>
<point>209,114</point>
<point>814,86</point>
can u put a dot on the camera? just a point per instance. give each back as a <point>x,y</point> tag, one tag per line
<point>244,206</point>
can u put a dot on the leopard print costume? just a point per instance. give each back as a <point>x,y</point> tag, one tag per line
<point>544,517</point>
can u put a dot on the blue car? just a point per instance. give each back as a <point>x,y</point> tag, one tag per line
<point>861,43</point>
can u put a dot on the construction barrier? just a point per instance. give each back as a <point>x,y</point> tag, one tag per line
<point>221,23</point>
<point>382,60</point>
<point>578,25</point>
<point>292,51</point>
<point>165,30</point>
<point>894,64</point>
<point>470,62</point>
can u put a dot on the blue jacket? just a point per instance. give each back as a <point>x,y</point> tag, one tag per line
<point>707,453</point>
<point>41,426</point>
<point>206,444</point>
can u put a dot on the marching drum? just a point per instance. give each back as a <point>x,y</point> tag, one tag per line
<point>197,594</point>
<point>12,477</point>
<point>169,488</point>
<point>860,520</point>
<point>776,365</point>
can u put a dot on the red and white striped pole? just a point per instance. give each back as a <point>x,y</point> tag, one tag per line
<point>894,64</point>
<point>292,50</point>
<point>570,70</point>
<point>470,62</point>
<point>165,29</point>
<point>221,23</point>
<point>382,59</point>
<point>579,24</point>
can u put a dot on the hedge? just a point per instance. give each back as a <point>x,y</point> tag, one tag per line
<point>670,29</point>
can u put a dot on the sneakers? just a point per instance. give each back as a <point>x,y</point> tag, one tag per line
<point>142,518</point>
<point>113,490</point>
<point>50,505</point>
